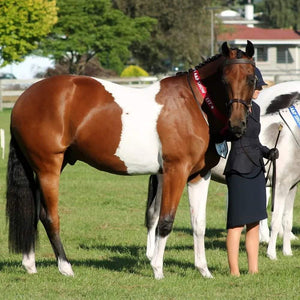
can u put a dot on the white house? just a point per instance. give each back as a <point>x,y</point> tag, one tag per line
<point>277,51</point>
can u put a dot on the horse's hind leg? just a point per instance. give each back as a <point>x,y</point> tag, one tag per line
<point>198,191</point>
<point>49,184</point>
<point>152,212</point>
<point>28,260</point>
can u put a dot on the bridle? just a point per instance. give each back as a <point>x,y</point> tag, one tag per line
<point>239,61</point>
<point>203,91</point>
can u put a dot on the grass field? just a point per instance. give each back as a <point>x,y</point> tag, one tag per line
<point>102,228</point>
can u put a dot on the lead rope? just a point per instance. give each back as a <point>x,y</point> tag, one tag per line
<point>273,183</point>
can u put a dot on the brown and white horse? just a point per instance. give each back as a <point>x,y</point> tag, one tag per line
<point>157,130</point>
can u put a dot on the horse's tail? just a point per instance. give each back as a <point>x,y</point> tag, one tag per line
<point>21,210</point>
<point>152,190</point>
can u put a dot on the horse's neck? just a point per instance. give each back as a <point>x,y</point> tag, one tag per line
<point>211,77</point>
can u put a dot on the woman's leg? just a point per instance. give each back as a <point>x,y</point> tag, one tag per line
<point>233,246</point>
<point>252,246</point>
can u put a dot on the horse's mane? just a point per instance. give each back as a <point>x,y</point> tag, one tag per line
<point>282,101</point>
<point>210,59</point>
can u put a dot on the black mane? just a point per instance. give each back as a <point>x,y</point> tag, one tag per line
<point>210,59</point>
<point>282,101</point>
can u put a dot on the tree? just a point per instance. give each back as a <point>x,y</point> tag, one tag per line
<point>22,25</point>
<point>86,29</point>
<point>282,13</point>
<point>181,37</point>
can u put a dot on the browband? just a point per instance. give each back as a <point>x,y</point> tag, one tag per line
<point>238,61</point>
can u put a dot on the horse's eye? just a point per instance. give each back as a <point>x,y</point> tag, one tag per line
<point>251,80</point>
<point>224,81</point>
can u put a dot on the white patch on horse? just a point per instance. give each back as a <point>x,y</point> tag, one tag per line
<point>140,147</point>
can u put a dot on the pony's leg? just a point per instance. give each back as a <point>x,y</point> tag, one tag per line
<point>173,185</point>
<point>49,183</point>
<point>28,262</point>
<point>287,221</point>
<point>198,191</point>
<point>152,213</point>
<point>276,222</point>
<point>264,232</point>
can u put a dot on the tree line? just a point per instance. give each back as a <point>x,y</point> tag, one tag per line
<point>90,36</point>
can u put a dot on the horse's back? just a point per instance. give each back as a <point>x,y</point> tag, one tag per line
<point>106,125</point>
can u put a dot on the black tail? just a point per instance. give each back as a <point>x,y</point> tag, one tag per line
<point>152,190</point>
<point>20,202</point>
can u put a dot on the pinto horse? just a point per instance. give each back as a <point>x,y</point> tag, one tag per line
<point>157,130</point>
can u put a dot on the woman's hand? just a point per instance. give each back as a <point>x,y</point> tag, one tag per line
<point>273,154</point>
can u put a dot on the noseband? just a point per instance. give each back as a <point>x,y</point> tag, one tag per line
<point>238,61</point>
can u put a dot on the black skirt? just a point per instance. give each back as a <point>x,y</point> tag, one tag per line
<point>246,198</point>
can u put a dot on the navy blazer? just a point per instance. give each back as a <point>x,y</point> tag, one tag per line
<point>246,154</point>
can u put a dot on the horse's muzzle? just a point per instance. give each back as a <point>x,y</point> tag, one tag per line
<point>238,131</point>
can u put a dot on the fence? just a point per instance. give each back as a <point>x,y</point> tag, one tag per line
<point>11,89</point>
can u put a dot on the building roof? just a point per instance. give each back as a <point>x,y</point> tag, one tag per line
<point>242,33</point>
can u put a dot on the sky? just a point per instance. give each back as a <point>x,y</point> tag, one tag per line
<point>29,67</point>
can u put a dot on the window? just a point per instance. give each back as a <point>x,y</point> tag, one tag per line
<point>284,56</point>
<point>261,54</point>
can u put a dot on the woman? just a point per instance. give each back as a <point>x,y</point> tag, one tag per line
<point>244,172</point>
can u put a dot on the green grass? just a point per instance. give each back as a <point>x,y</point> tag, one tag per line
<point>102,228</point>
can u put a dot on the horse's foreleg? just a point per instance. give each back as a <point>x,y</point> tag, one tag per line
<point>287,221</point>
<point>264,232</point>
<point>152,212</point>
<point>276,221</point>
<point>173,185</point>
<point>49,216</point>
<point>198,192</point>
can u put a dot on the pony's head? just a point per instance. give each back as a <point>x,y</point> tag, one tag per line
<point>239,79</point>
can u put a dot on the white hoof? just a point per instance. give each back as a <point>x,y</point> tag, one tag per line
<point>205,272</point>
<point>293,237</point>
<point>65,268</point>
<point>287,253</point>
<point>264,238</point>
<point>158,272</point>
<point>28,263</point>
<point>30,269</point>
<point>159,275</point>
<point>272,256</point>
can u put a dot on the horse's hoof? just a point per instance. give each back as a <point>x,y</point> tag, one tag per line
<point>287,253</point>
<point>159,276</point>
<point>65,268</point>
<point>272,256</point>
<point>158,272</point>
<point>205,272</point>
<point>264,239</point>
<point>30,269</point>
<point>293,237</point>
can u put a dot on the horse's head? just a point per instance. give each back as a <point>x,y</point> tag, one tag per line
<point>239,79</point>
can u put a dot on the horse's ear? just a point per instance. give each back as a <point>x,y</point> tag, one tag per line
<point>249,49</point>
<point>225,49</point>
